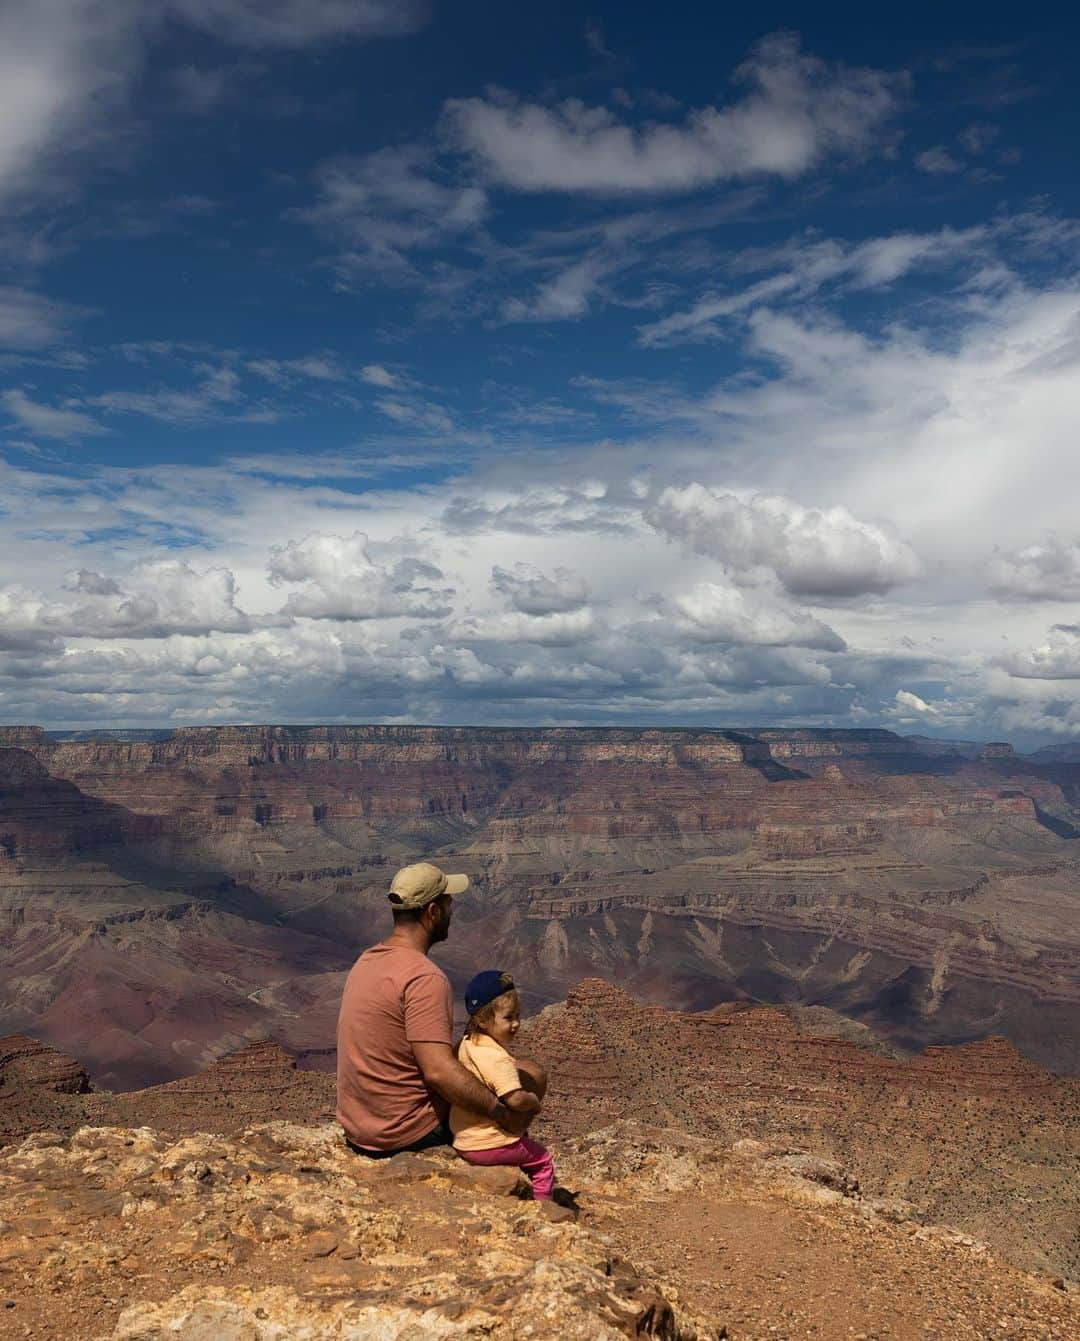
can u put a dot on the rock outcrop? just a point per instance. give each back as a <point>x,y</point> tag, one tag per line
<point>32,1079</point>
<point>974,1136</point>
<point>125,1234</point>
<point>120,1233</point>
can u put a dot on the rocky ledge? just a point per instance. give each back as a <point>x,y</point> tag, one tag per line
<point>123,1233</point>
<point>278,1233</point>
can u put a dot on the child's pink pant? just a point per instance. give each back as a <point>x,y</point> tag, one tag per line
<point>526,1154</point>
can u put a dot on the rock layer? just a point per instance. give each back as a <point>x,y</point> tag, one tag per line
<point>163,901</point>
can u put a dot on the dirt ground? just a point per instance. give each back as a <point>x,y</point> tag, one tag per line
<point>770,1270</point>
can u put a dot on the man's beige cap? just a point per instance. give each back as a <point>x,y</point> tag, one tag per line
<point>416,885</point>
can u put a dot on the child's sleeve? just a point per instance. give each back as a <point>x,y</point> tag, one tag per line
<point>500,1073</point>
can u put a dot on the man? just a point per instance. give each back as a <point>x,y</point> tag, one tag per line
<point>397,1073</point>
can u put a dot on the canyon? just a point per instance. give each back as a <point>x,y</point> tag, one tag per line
<point>168,897</point>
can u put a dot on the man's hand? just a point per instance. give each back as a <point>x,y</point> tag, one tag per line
<point>444,1074</point>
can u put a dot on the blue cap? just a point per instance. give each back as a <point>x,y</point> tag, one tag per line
<point>486,987</point>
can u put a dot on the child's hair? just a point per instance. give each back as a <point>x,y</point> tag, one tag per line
<point>480,1019</point>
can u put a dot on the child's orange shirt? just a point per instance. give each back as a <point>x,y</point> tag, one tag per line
<point>492,1064</point>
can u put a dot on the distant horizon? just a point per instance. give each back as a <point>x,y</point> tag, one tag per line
<point>668,727</point>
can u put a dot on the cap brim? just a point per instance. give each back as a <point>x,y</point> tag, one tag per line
<point>456,884</point>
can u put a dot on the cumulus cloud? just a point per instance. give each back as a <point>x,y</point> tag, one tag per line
<point>1046,572</point>
<point>1056,659</point>
<point>719,613</point>
<point>798,110</point>
<point>531,592</point>
<point>826,553</point>
<point>909,709</point>
<point>341,581</point>
<point>561,629</point>
<point>152,600</point>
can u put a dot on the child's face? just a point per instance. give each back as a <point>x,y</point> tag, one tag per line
<point>505,1023</point>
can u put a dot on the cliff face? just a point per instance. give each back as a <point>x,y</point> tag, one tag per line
<point>164,900</point>
<point>975,1136</point>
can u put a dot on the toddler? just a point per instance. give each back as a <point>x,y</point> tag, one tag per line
<point>494,1017</point>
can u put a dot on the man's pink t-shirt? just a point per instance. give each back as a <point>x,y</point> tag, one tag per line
<point>394,997</point>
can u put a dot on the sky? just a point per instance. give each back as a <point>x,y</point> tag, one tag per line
<point>395,361</point>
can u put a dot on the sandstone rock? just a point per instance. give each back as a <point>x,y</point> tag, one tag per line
<point>747,1148</point>
<point>320,1244</point>
<point>354,1251</point>
<point>894,1209</point>
<point>495,1181</point>
<point>813,1169</point>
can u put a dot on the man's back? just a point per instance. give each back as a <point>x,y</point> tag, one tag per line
<point>394,997</point>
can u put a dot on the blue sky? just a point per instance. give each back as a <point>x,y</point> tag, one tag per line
<point>392,362</point>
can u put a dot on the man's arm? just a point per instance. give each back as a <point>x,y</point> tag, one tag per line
<point>444,1074</point>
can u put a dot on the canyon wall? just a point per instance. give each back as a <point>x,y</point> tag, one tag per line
<point>166,900</point>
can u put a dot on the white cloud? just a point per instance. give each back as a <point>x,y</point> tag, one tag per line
<point>50,421</point>
<point>1046,572</point>
<point>324,367</point>
<point>30,320</point>
<point>819,552</point>
<point>341,581</point>
<point>939,162</point>
<point>66,65</point>
<point>908,702</point>
<point>909,709</point>
<point>1056,659</point>
<point>218,388</point>
<point>63,66</point>
<point>376,375</point>
<point>152,600</point>
<point>382,206</point>
<point>725,614</point>
<point>563,298</point>
<point>805,268</point>
<point>533,593</point>
<point>562,629</point>
<point>798,110</point>
<point>415,413</point>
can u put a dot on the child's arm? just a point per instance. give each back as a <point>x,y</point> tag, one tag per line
<point>521,1101</point>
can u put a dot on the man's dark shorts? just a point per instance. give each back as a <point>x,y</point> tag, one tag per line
<point>440,1135</point>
